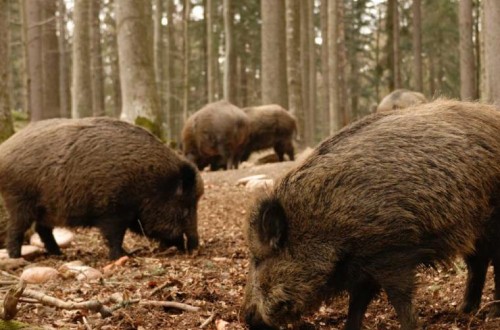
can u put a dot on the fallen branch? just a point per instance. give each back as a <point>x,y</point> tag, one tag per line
<point>9,309</point>
<point>473,317</point>
<point>208,321</point>
<point>121,303</point>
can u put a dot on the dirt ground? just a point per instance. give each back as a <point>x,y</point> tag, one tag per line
<point>213,278</point>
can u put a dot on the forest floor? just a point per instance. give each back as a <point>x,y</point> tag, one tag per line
<point>213,278</point>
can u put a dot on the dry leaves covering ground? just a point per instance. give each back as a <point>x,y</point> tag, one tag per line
<point>214,277</point>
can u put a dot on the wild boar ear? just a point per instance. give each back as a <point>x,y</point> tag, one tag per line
<point>188,180</point>
<point>272,224</point>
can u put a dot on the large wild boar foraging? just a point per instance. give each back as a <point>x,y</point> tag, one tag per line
<point>216,134</point>
<point>387,194</point>
<point>400,99</point>
<point>271,126</point>
<point>97,172</point>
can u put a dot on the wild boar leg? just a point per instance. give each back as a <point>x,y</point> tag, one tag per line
<point>21,218</point>
<point>477,266</point>
<point>400,296</point>
<point>48,239</point>
<point>359,299</point>
<point>113,230</point>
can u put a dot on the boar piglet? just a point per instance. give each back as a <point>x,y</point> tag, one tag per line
<point>386,195</point>
<point>97,172</point>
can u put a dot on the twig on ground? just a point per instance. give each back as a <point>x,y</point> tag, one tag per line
<point>92,305</point>
<point>473,317</point>
<point>161,287</point>
<point>121,303</point>
<point>9,309</point>
<point>208,321</point>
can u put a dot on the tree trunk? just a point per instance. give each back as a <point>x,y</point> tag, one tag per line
<point>325,100</point>
<point>335,114</point>
<point>395,45</point>
<point>484,83</point>
<point>34,44</point>
<point>210,51</point>
<point>158,50</point>
<point>492,48</point>
<point>292,61</point>
<point>139,96</point>
<point>64,83</point>
<point>96,59</point>
<point>311,118</point>
<point>114,67</point>
<point>169,82</point>
<point>342,65</point>
<point>185,87</point>
<point>274,81</point>
<point>6,125</point>
<point>389,26</point>
<point>26,74</point>
<point>230,55</point>
<point>304,66</point>
<point>467,65</point>
<point>81,105</point>
<point>417,45</point>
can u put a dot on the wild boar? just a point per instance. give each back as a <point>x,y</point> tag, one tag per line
<point>97,172</point>
<point>400,99</point>
<point>216,134</point>
<point>387,194</point>
<point>271,126</point>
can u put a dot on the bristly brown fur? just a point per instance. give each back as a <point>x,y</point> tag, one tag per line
<point>97,172</point>
<point>386,195</point>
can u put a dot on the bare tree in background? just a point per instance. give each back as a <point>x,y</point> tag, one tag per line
<point>185,88</point>
<point>81,100</point>
<point>396,44</point>
<point>417,45</point>
<point>492,48</point>
<point>209,9</point>
<point>335,113</point>
<point>292,61</point>
<point>172,115</point>
<point>229,81</point>
<point>274,81</point>
<point>64,83</point>
<point>467,60</point>
<point>325,100</point>
<point>158,49</point>
<point>96,72</point>
<point>6,125</point>
<point>139,95</point>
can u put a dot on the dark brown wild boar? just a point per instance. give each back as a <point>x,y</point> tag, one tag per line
<point>97,172</point>
<point>387,194</point>
<point>271,126</point>
<point>215,134</point>
<point>400,99</point>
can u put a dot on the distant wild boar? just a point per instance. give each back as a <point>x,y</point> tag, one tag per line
<point>385,195</point>
<point>97,172</point>
<point>271,126</point>
<point>216,134</point>
<point>400,99</point>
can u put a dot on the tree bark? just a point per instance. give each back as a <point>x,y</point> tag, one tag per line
<point>389,27</point>
<point>292,61</point>
<point>304,66</point>
<point>26,74</point>
<point>96,71</point>
<point>81,105</point>
<point>185,87</point>
<point>274,81</point>
<point>492,48</point>
<point>484,83</point>
<point>335,114</point>
<point>6,125</point>
<point>467,64</point>
<point>325,100</point>
<point>395,45</point>
<point>417,45</point>
<point>64,83</point>
<point>210,51</point>
<point>114,67</point>
<point>173,117</point>
<point>342,65</point>
<point>158,50</point>
<point>229,82</point>
<point>139,95</point>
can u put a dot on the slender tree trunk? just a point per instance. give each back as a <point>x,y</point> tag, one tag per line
<point>389,26</point>
<point>185,88</point>
<point>292,61</point>
<point>274,81</point>
<point>158,50</point>
<point>81,105</point>
<point>64,83</point>
<point>484,83</point>
<point>417,45</point>
<point>378,70</point>
<point>477,46</point>
<point>6,125</point>
<point>34,43</point>
<point>492,48</point>
<point>325,100</point>
<point>335,114</point>
<point>304,66</point>
<point>210,51</point>
<point>169,82</point>
<point>467,65</point>
<point>114,67</point>
<point>396,45</point>
<point>342,65</point>
<point>311,120</point>
<point>26,71</point>
<point>96,72</point>
<point>139,95</point>
<point>230,56</point>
